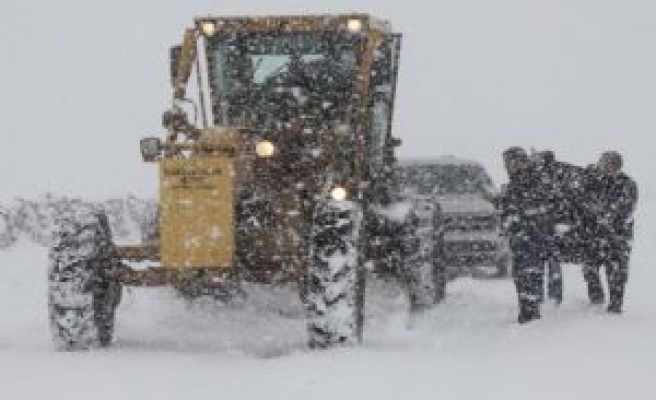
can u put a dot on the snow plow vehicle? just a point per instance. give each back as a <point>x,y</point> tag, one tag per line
<point>287,179</point>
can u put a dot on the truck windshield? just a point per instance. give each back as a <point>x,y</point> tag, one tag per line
<point>271,80</point>
<point>443,179</point>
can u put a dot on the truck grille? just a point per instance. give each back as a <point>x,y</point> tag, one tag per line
<point>471,223</point>
<point>469,246</point>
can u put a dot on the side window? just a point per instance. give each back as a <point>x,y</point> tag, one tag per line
<point>218,62</point>
<point>380,113</point>
<point>230,71</point>
<point>383,89</point>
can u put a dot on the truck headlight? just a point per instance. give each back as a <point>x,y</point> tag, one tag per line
<point>151,148</point>
<point>265,149</point>
<point>338,193</point>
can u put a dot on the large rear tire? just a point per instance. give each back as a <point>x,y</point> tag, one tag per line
<point>335,275</point>
<point>81,300</point>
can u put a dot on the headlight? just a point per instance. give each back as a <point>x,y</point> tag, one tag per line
<point>208,28</point>
<point>265,148</point>
<point>354,25</point>
<point>338,193</point>
<point>151,148</point>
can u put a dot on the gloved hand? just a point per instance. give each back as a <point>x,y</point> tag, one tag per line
<point>485,194</point>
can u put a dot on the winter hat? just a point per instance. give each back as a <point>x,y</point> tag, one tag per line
<point>611,158</point>
<point>515,153</point>
<point>548,156</point>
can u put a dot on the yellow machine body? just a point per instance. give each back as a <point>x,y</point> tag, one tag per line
<point>197,215</point>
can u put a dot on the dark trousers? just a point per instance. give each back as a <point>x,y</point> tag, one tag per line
<point>612,251</point>
<point>554,281</point>
<point>529,280</point>
<point>552,256</point>
<point>616,277</point>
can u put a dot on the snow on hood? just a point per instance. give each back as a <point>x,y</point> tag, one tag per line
<point>465,203</point>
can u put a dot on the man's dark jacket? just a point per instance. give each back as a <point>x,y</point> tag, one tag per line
<point>526,211</point>
<point>609,204</point>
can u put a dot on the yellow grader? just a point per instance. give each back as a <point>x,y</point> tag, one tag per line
<point>288,177</point>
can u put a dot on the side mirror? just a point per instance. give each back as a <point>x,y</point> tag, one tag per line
<point>395,142</point>
<point>151,149</point>
<point>174,55</point>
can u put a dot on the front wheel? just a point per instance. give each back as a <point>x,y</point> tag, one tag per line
<point>81,300</point>
<point>335,275</point>
<point>504,266</point>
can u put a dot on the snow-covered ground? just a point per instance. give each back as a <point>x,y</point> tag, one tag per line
<point>467,348</point>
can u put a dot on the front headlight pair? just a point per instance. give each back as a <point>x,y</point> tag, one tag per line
<point>266,149</point>
<point>353,25</point>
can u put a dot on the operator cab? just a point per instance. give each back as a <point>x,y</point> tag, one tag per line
<point>303,76</point>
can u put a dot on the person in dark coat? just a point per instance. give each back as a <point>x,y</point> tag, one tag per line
<point>524,212</point>
<point>609,203</point>
<point>552,180</point>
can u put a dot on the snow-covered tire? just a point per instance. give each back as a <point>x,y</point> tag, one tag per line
<point>423,259</point>
<point>504,266</point>
<point>81,301</point>
<point>499,269</point>
<point>149,225</point>
<point>335,275</point>
<point>145,213</point>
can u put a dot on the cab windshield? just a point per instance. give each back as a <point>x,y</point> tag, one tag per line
<point>274,80</point>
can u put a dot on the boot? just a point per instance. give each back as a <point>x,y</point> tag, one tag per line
<point>555,284</point>
<point>614,307</point>
<point>616,299</point>
<point>617,274</point>
<point>595,289</point>
<point>596,294</point>
<point>528,311</point>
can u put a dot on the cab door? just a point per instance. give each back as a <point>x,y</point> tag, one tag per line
<point>383,92</point>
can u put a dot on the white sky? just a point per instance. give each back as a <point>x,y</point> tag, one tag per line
<point>83,81</point>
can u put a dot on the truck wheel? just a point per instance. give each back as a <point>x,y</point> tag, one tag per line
<point>149,228</point>
<point>423,257</point>
<point>81,301</point>
<point>504,266</point>
<point>335,275</point>
<point>498,269</point>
